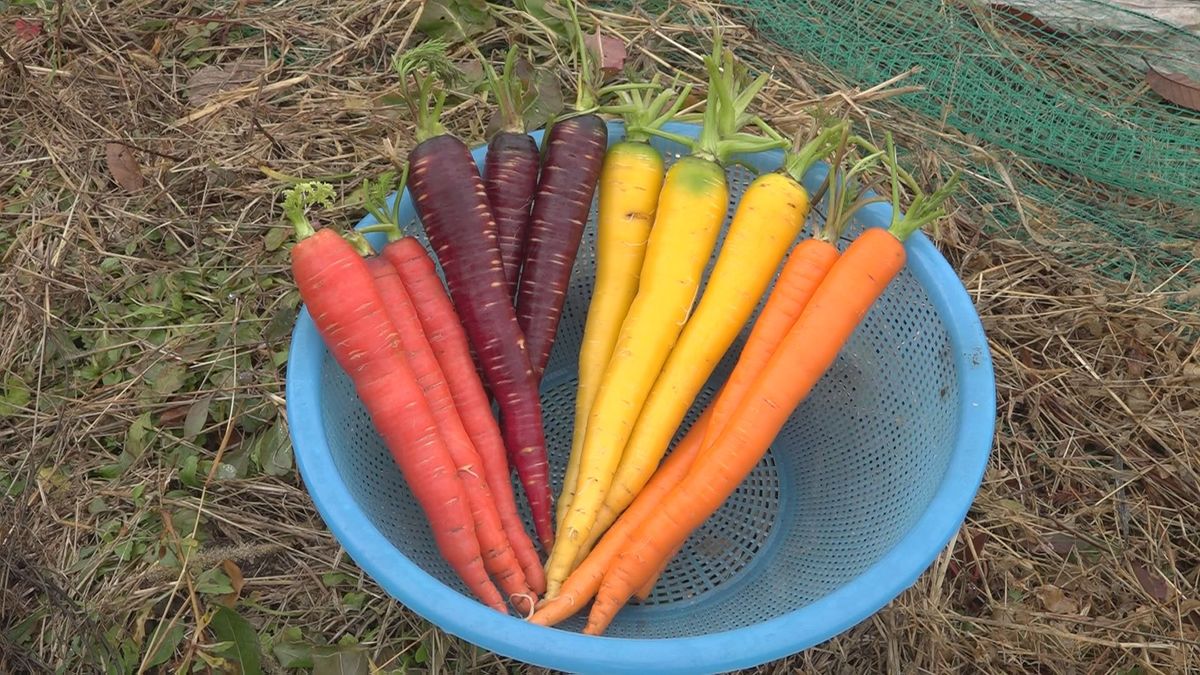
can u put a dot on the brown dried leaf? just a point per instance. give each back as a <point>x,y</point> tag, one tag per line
<point>1055,601</point>
<point>1175,87</point>
<point>609,50</point>
<point>236,580</point>
<point>173,415</point>
<point>206,83</point>
<point>1152,582</point>
<point>123,167</point>
<point>1061,543</point>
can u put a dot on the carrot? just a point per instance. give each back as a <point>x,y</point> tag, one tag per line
<point>630,180</point>
<point>449,342</point>
<point>767,220</point>
<point>583,583</point>
<point>510,171</point>
<point>843,298</point>
<point>574,151</point>
<point>452,204</point>
<point>691,209</point>
<point>336,286</point>
<point>498,557</point>
<point>647,588</point>
<point>451,348</point>
<point>806,267</point>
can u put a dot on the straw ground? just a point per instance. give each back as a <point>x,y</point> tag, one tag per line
<point>150,514</point>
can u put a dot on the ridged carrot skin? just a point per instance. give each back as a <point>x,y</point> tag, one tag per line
<point>844,297</point>
<point>450,199</point>
<point>575,149</point>
<point>450,347</point>
<point>339,293</point>
<point>498,557</point>
<point>510,176</point>
<point>691,209</point>
<point>630,181</point>
<point>766,222</point>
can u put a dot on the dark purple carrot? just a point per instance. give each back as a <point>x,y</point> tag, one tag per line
<point>510,172</point>
<point>574,153</point>
<point>450,199</point>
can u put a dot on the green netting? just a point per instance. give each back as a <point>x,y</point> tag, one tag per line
<point>1059,81</point>
<point>1107,170</point>
<point>1108,165</point>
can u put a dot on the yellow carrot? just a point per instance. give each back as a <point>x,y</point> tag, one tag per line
<point>768,219</point>
<point>691,209</point>
<point>630,181</point>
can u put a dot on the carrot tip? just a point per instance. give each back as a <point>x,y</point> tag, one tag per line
<point>525,603</point>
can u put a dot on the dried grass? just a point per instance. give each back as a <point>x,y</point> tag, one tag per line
<point>1079,556</point>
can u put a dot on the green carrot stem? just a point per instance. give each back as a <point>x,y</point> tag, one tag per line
<point>359,242</point>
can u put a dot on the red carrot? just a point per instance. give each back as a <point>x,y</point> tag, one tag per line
<point>498,555</point>
<point>449,342</point>
<point>337,289</point>
<point>452,204</point>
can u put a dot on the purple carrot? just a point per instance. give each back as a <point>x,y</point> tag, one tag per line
<point>452,204</point>
<point>574,153</point>
<point>510,176</point>
<point>510,172</point>
<point>448,193</point>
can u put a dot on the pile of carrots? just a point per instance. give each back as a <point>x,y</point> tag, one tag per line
<point>428,359</point>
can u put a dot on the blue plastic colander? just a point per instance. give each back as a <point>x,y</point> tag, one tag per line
<point>861,490</point>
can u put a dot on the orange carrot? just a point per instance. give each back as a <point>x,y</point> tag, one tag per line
<point>498,557</point>
<point>843,298</point>
<point>806,266</point>
<point>584,581</point>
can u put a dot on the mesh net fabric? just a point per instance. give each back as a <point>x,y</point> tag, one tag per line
<point>1108,170</point>
<point>849,474</point>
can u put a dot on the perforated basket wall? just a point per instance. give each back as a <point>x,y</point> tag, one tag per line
<point>849,475</point>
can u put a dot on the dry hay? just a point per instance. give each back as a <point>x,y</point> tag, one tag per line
<point>1079,556</point>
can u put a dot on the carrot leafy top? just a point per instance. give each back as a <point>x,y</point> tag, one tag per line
<point>509,90</point>
<point>426,99</point>
<point>847,190</point>
<point>299,198</point>
<point>644,112</point>
<point>725,112</point>
<point>925,208</point>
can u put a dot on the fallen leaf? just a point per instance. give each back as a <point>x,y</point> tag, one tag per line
<point>1152,582</point>
<point>609,50</point>
<point>1055,601</point>
<point>1174,86</point>
<point>124,167</point>
<point>197,415</point>
<point>1062,543</point>
<point>206,83</point>
<point>27,30</point>
<point>173,415</point>
<point>229,626</point>
<point>236,580</point>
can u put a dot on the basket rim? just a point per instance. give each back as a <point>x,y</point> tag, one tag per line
<point>862,596</point>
